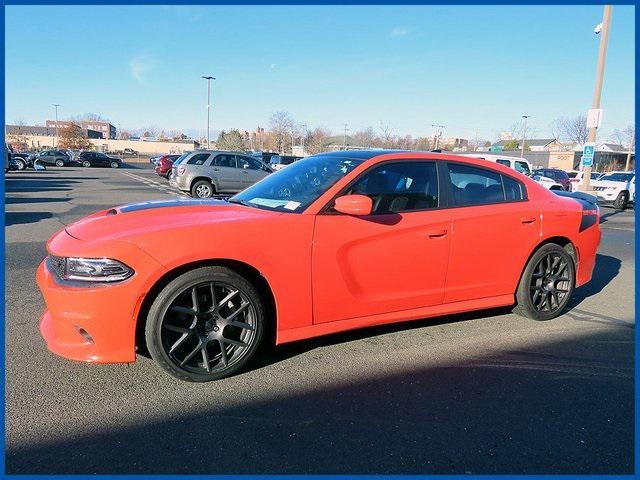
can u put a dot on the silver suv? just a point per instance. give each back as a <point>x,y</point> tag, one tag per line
<point>204,173</point>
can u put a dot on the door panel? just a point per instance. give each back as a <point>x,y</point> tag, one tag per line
<point>489,247</point>
<point>225,171</point>
<point>251,170</point>
<point>379,263</point>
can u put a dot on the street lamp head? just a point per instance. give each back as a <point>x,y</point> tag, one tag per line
<point>208,78</point>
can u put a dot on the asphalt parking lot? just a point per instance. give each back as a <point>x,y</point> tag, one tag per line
<point>481,393</point>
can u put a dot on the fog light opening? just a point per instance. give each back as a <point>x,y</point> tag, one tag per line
<point>85,335</point>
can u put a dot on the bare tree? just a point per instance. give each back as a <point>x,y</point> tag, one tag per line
<point>574,129</point>
<point>365,138</point>
<point>314,142</point>
<point>386,135</point>
<point>624,137</point>
<point>73,137</point>
<point>281,125</point>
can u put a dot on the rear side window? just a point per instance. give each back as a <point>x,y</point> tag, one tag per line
<point>225,161</point>
<point>477,186</point>
<point>400,187</point>
<point>198,159</point>
<point>506,163</point>
<point>561,174</point>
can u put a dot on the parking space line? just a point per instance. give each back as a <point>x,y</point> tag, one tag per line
<point>158,186</point>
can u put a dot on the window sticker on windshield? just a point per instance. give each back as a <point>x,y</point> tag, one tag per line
<point>292,205</point>
<point>269,202</point>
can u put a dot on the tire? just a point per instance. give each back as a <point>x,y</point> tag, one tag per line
<point>114,165</point>
<point>621,201</point>
<point>20,164</point>
<point>546,287</point>
<point>176,338</point>
<point>86,163</point>
<point>59,163</point>
<point>202,189</point>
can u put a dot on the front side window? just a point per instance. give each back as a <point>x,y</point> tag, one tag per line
<point>506,163</point>
<point>198,159</point>
<point>399,187</point>
<point>477,186</point>
<point>522,167</point>
<point>294,188</point>
<point>248,163</point>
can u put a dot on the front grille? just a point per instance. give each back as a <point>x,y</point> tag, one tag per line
<point>56,265</point>
<point>599,189</point>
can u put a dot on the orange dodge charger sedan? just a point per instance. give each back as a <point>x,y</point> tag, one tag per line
<point>333,242</point>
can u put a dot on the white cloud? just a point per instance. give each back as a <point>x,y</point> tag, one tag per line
<point>140,66</point>
<point>400,32</point>
<point>273,66</point>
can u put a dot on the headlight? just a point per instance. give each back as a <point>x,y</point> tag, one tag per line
<point>90,269</point>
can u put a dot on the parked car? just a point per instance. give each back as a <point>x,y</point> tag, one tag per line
<point>129,151</point>
<point>98,159</point>
<point>518,164</point>
<point>334,242</point>
<point>155,159</point>
<point>559,176</point>
<point>547,182</point>
<point>576,177</point>
<point>278,162</point>
<point>204,173</point>
<point>59,158</point>
<point>616,188</point>
<point>22,161</point>
<point>165,164</point>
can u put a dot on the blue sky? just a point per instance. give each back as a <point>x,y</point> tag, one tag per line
<point>475,70</point>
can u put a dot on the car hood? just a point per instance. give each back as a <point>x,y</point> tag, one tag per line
<point>126,222</point>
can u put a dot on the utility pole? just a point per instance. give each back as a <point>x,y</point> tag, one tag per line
<point>304,135</point>
<point>524,135</point>
<point>208,79</point>
<point>585,184</point>
<point>56,105</point>
<point>631,148</point>
<point>437,135</point>
<point>346,129</point>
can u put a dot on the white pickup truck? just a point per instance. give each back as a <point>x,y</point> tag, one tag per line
<point>616,188</point>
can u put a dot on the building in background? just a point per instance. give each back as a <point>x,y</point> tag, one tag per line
<point>107,130</point>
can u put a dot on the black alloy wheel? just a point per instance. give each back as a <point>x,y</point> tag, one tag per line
<point>547,283</point>
<point>205,325</point>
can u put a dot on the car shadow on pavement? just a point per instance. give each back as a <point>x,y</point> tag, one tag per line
<point>605,270</point>
<point>605,217</point>
<point>562,406</point>
<point>16,218</point>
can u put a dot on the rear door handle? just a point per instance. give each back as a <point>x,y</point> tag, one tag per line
<point>245,172</point>
<point>216,169</point>
<point>437,233</point>
<point>527,220</point>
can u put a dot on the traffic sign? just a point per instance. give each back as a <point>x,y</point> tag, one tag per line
<point>587,154</point>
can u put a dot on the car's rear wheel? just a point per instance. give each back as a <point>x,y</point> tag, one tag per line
<point>86,163</point>
<point>547,283</point>
<point>202,189</point>
<point>59,163</point>
<point>20,164</point>
<point>114,164</point>
<point>621,201</point>
<point>205,325</point>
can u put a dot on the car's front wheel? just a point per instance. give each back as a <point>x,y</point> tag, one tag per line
<point>114,164</point>
<point>547,283</point>
<point>86,163</point>
<point>205,325</point>
<point>202,189</point>
<point>621,201</point>
<point>59,163</point>
<point>20,164</point>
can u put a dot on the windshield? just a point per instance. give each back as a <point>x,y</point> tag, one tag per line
<point>618,177</point>
<point>294,188</point>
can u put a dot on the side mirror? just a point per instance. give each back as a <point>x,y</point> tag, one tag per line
<point>354,205</point>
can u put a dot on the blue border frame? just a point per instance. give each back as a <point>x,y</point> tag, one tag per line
<point>293,2</point>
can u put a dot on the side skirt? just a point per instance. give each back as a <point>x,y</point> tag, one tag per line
<point>320,329</point>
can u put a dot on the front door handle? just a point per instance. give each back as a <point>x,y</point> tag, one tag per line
<point>437,233</point>
<point>216,169</point>
<point>527,220</point>
<point>245,172</point>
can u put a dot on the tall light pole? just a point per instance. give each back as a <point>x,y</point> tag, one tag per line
<point>56,105</point>
<point>524,135</point>
<point>208,79</point>
<point>585,184</point>
<point>631,149</point>
<point>437,135</point>
<point>304,136</point>
<point>346,129</point>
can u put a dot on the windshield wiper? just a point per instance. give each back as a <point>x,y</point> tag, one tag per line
<point>239,202</point>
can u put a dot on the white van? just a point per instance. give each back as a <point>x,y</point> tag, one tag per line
<point>519,164</point>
